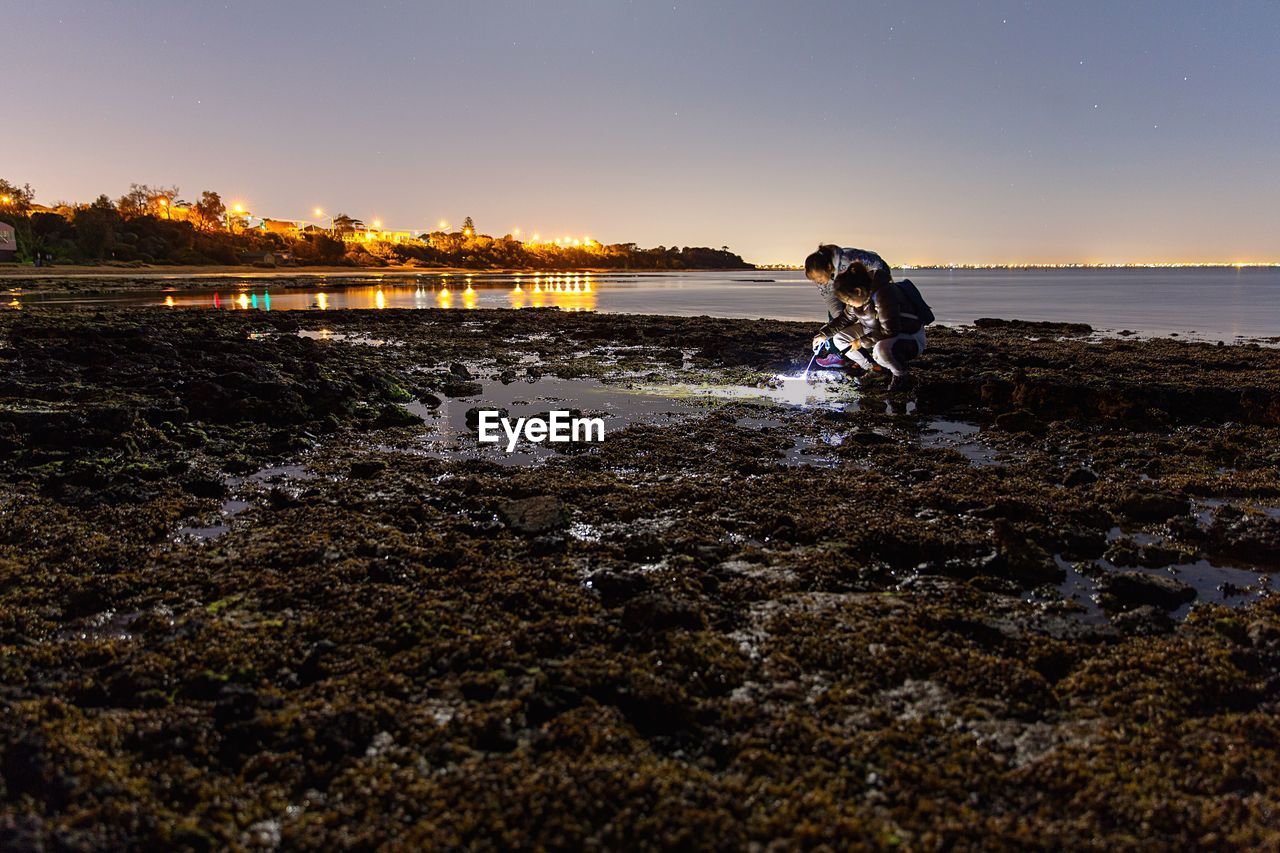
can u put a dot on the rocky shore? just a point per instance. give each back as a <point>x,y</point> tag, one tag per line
<point>249,599</point>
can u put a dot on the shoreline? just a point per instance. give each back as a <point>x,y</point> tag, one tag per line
<point>162,272</point>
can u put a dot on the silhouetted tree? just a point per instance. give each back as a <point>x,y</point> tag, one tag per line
<point>343,224</point>
<point>97,228</point>
<point>145,200</point>
<point>207,214</point>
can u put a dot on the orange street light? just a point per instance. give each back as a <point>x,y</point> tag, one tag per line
<point>237,208</point>
<point>4,199</point>
<point>319,212</point>
<point>377,223</point>
<point>515,232</point>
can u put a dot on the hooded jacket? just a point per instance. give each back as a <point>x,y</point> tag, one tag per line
<point>841,260</point>
<point>887,313</point>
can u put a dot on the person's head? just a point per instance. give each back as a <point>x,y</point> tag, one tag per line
<point>855,285</point>
<point>820,267</point>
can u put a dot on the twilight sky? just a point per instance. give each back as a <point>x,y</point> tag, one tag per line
<point>929,131</point>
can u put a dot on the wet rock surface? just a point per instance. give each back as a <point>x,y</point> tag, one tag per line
<point>687,632</point>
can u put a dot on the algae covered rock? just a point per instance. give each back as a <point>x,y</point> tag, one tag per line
<point>534,515</point>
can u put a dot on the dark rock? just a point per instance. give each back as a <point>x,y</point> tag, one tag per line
<point>204,486</point>
<point>534,515</point>
<point>278,498</point>
<point>1040,326</point>
<point>1143,621</point>
<point>615,587</point>
<point>365,469</point>
<point>1126,590</point>
<point>460,371</point>
<point>1080,477</point>
<point>473,415</point>
<point>1152,506</point>
<point>659,612</point>
<point>429,400</point>
<point>462,388</point>
<point>1021,559</point>
<point>1019,421</point>
<point>1253,537</point>
<point>867,438</point>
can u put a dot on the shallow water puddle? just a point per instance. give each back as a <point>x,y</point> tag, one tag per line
<point>804,449</point>
<point>1225,585</point>
<point>346,337</point>
<point>959,436</point>
<point>451,432</point>
<point>229,510</point>
<point>243,490</point>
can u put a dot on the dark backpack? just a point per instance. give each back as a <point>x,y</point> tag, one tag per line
<point>922,309</point>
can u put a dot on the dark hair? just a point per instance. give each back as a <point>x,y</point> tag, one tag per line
<point>820,261</point>
<point>855,282</point>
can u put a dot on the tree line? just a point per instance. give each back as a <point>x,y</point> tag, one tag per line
<point>154,226</point>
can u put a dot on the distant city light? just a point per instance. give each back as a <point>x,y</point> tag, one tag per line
<point>377,223</point>
<point>318,212</point>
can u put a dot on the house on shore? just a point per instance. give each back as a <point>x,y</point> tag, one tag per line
<point>377,235</point>
<point>282,227</point>
<point>277,258</point>
<point>8,242</point>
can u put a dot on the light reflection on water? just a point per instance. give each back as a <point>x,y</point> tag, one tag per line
<point>569,292</point>
<point>1148,301</point>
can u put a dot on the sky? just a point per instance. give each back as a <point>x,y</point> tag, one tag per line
<point>965,132</point>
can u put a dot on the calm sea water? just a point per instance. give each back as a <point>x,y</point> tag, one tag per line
<point>1218,303</point>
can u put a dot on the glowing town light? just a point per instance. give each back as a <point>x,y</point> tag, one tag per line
<point>377,223</point>
<point>322,301</point>
<point>379,299</point>
<point>6,199</point>
<point>243,300</point>
<point>536,237</point>
<point>318,211</point>
<point>237,208</point>
<point>515,232</point>
<point>168,301</point>
<point>163,202</point>
<point>466,232</point>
